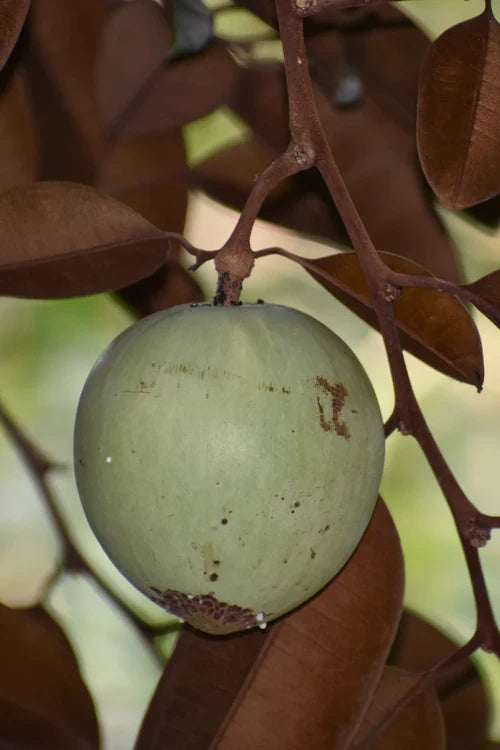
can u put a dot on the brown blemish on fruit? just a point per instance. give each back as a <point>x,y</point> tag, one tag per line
<point>214,577</point>
<point>337,394</point>
<point>204,611</point>
<point>313,554</point>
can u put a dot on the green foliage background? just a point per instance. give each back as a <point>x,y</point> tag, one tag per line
<point>47,349</point>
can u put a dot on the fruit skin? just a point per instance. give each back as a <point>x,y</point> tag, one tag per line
<point>228,459</point>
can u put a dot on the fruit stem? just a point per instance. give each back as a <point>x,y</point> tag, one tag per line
<point>234,263</point>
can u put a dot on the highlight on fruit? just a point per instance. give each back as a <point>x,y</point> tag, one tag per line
<point>228,459</point>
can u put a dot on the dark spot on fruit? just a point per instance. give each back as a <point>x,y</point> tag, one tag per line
<point>325,528</point>
<point>285,390</point>
<point>217,483</point>
<point>216,562</point>
<point>293,430</point>
<point>260,301</point>
<point>337,394</point>
<point>292,511</point>
<point>204,611</point>
<point>297,504</point>
<point>223,521</point>
<point>354,411</point>
<point>214,577</point>
<point>285,561</point>
<point>313,554</point>
<point>80,462</point>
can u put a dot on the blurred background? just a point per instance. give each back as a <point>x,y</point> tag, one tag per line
<point>48,348</point>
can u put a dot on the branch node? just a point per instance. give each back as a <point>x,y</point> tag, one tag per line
<point>303,154</point>
<point>476,535</point>
<point>403,429</point>
<point>391,292</point>
<point>304,8</point>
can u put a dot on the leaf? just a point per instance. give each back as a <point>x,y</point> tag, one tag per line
<point>63,43</point>
<point>170,285</point>
<point>388,55</point>
<point>433,326</point>
<point>419,646</point>
<point>18,153</point>
<point>149,174</point>
<point>64,240</point>
<point>12,17</point>
<point>134,45</point>
<point>488,288</point>
<point>370,150</point>
<point>303,683</point>
<point>418,725</point>
<point>186,89</point>
<point>43,700</point>
<point>458,127</point>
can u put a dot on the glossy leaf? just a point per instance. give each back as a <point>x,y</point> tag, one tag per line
<point>305,682</point>
<point>134,46</point>
<point>458,128</point>
<point>64,240</point>
<point>419,646</point>
<point>433,326</point>
<point>18,147</point>
<point>418,725</point>
<point>43,700</point>
<point>12,16</point>
<point>371,150</point>
<point>186,89</point>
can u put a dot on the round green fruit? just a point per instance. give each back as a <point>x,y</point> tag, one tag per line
<point>228,459</point>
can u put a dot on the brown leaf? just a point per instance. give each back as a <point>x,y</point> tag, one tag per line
<point>64,39</point>
<point>488,288</point>
<point>458,127</point>
<point>305,683</point>
<point>186,89</point>
<point>12,16</point>
<point>62,240</point>
<point>377,160</point>
<point>170,285</point>
<point>18,155</point>
<point>418,647</point>
<point>149,174</point>
<point>487,212</point>
<point>388,55</point>
<point>135,43</point>
<point>43,700</point>
<point>433,326</point>
<point>418,725</point>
